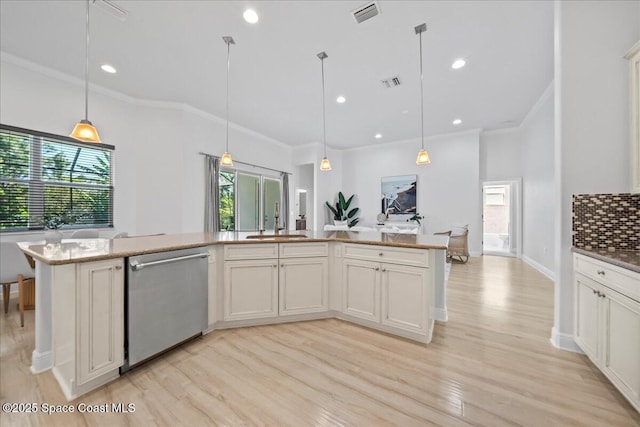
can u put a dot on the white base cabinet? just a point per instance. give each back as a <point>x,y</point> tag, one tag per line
<point>607,322</point>
<point>395,295</point>
<point>269,280</point>
<point>88,328</point>
<point>250,289</point>
<point>303,286</point>
<point>361,289</point>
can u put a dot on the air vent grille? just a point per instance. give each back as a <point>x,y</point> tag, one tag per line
<point>367,11</point>
<point>391,82</point>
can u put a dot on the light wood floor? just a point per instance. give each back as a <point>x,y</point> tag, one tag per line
<point>490,364</point>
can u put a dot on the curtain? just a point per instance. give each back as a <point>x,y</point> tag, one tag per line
<point>212,194</point>
<point>285,199</point>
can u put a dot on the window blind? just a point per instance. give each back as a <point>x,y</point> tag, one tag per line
<point>45,177</point>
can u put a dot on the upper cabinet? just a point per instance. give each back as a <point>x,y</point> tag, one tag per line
<point>634,133</point>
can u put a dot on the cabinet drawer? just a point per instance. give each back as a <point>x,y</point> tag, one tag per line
<point>624,281</point>
<point>251,251</point>
<point>405,256</point>
<point>304,250</point>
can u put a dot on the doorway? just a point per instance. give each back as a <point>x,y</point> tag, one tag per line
<point>501,218</point>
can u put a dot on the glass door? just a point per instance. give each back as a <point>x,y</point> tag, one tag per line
<point>248,202</point>
<point>271,188</point>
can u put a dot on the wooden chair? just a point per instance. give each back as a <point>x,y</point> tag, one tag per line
<point>14,268</point>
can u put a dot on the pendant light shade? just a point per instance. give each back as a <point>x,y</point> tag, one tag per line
<point>84,130</point>
<point>423,156</point>
<point>324,164</point>
<point>226,159</point>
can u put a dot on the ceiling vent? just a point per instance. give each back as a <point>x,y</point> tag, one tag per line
<point>391,82</point>
<point>112,8</point>
<point>367,11</point>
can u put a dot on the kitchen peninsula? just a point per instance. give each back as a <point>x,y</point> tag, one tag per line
<point>391,282</point>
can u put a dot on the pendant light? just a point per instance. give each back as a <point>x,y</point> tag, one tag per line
<point>226,157</point>
<point>84,130</point>
<point>324,164</point>
<point>423,156</point>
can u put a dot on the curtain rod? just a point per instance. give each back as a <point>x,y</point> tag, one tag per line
<point>245,163</point>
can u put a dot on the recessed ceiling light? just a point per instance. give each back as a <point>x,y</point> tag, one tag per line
<point>458,63</point>
<point>378,135</point>
<point>108,69</point>
<point>250,16</point>
<point>341,99</point>
<point>457,121</point>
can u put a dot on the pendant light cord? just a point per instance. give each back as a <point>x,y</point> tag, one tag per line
<point>324,120</point>
<point>228,66</point>
<point>86,71</point>
<point>421,96</point>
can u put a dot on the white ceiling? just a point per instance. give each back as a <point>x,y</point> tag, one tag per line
<point>173,51</point>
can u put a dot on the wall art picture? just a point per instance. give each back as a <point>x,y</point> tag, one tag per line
<point>399,194</point>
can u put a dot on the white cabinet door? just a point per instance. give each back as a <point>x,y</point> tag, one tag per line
<point>100,308</point>
<point>250,289</point>
<point>621,352</point>
<point>361,289</point>
<point>304,285</point>
<point>587,306</point>
<point>405,302</point>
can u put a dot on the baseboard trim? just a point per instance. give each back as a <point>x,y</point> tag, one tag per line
<point>541,268</point>
<point>41,362</point>
<point>440,314</point>
<point>564,341</point>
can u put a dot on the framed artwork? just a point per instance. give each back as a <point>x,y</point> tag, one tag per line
<point>399,195</point>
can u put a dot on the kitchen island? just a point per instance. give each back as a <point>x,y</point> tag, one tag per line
<point>391,282</point>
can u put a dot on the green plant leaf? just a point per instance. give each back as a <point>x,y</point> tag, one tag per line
<point>352,212</point>
<point>346,205</point>
<point>341,201</point>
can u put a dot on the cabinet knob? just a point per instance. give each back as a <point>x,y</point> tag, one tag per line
<point>275,265</point>
<point>377,268</point>
<point>282,265</point>
<point>381,254</point>
<point>594,291</point>
<point>118,267</point>
<point>600,272</point>
<point>602,295</point>
<point>384,269</point>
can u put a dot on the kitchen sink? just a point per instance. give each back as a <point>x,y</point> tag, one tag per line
<point>277,236</point>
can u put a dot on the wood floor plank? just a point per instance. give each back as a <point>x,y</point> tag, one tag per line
<point>491,364</point>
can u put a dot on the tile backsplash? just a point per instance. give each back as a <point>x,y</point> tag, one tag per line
<point>606,221</point>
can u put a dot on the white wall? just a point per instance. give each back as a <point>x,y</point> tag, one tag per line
<point>448,188</point>
<point>500,154</point>
<point>591,121</point>
<point>159,175</point>
<point>538,182</point>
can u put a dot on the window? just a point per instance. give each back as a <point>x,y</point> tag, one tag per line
<point>43,174</point>
<point>247,201</point>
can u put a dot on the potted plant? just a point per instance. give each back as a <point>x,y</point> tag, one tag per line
<point>416,218</point>
<point>52,222</point>
<point>342,215</point>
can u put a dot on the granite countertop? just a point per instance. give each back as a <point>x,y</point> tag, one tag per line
<point>83,250</point>
<point>625,259</point>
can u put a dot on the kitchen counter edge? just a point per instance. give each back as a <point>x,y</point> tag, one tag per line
<point>73,252</point>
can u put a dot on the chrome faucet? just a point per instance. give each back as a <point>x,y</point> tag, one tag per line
<point>276,220</point>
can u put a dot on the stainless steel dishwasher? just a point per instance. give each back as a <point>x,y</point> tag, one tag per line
<point>166,302</point>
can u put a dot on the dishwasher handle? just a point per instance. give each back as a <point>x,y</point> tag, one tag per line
<point>136,266</point>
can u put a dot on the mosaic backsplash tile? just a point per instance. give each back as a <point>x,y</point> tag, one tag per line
<point>606,221</point>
